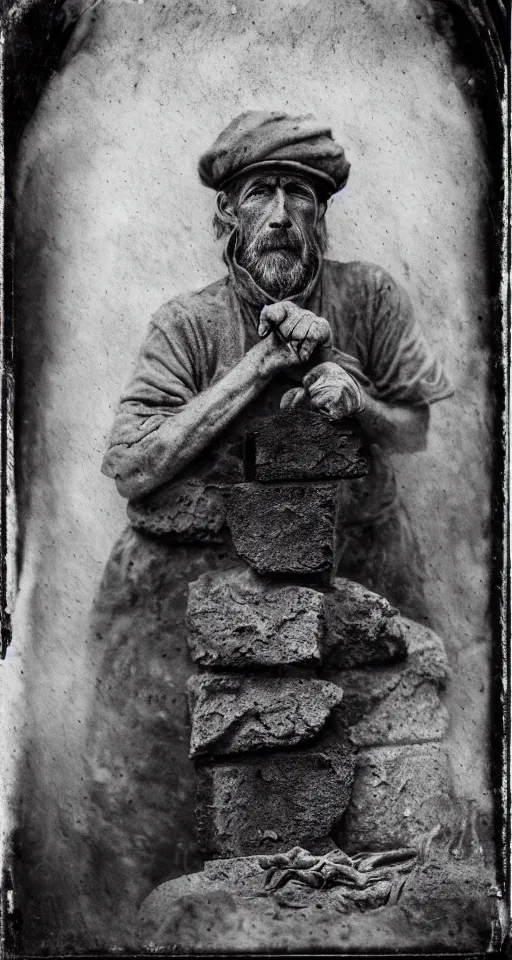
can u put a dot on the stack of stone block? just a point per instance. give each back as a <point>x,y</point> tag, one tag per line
<point>315,712</point>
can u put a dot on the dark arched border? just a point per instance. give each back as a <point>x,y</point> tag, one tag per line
<point>38,36</point>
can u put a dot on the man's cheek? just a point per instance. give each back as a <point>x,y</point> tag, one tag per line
<point>248,223</point>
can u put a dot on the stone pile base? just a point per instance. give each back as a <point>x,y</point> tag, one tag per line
<point>445,906</point>
<point>316,716</point>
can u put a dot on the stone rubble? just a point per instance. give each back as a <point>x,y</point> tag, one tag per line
<point>397,703</point>
<point>184,512</point>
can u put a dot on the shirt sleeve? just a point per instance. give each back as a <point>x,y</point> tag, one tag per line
<point>401,364</point>
<point>163,381</point>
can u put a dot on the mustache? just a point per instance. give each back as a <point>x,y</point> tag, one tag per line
<point>284,239</point>
<point>295,239</point>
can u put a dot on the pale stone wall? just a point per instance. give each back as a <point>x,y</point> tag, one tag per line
<point>113,222</point>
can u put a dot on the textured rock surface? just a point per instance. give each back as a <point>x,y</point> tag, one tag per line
<point>361,627</point>
<point>184,512</point>
<point>392,706</point>
<point>399,795</point>
<point>236,619</point>
<point>305,445</point>
<point>426,654</point>
<point>399,703</point>
<point>444,907</point>
<point>274,802</point>
<point>301,524</point>
<point>235,714</point>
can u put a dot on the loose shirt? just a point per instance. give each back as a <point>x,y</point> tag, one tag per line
<point>196,338</point>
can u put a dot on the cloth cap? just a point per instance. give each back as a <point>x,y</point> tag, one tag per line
<point>258,139</point>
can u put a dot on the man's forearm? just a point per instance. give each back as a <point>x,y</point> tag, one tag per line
<point>182,436</point>
<point>395,427</point>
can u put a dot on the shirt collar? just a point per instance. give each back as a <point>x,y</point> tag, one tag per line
<point>248,289</point>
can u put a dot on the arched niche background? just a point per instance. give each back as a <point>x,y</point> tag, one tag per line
<point>105,220</point>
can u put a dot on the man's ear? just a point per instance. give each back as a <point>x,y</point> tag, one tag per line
<point>225,209</point>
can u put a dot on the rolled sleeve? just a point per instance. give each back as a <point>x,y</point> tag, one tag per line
<point>163,381</point>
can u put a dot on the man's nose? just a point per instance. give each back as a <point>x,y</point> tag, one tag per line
<point>279,217</point>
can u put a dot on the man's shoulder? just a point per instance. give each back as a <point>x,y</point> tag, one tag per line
<point>193,303</point>
<point>357,273</point>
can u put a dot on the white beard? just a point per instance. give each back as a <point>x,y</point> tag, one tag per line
<point>281,273</point>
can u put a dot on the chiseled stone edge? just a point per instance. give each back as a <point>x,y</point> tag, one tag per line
<point>220,745</point>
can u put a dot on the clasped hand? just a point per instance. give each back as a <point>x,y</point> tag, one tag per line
<point>297,332</point>
<point>327,388</point>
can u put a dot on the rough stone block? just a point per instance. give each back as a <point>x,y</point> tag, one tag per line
<point>287,528</point>
<point>361,627</point>
<point>236,620</point>
<point>426,654</point>
<point>184,512</point>
<point>302,445</point>
<point>399,703</point>
<point>273,803</point>
<point>383,709</point>
<point>236,714</point>
<point>399,795</point>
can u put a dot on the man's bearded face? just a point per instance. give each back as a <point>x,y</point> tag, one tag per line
<point>279,232</point>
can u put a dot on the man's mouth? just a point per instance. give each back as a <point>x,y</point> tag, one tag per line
<point>274,244</point>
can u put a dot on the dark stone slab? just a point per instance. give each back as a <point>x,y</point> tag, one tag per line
<point>361,627</point>
<point>287,528</point>
<point>184,512</point>
<point>233,714</point>
<point>303,445</point>
<point>273,803</point>
<point>237,619</point>
<point>400,793</point>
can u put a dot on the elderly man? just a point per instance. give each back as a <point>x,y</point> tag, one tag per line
<point>346,332</point>
<point>284,328</point>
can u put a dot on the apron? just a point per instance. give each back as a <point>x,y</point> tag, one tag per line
<point>141,792</point>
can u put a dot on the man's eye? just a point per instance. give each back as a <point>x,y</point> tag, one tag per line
<point>296,190</point>
<point>260,191</point>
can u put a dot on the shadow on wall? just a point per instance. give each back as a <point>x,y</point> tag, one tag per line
<point>97,216</point>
